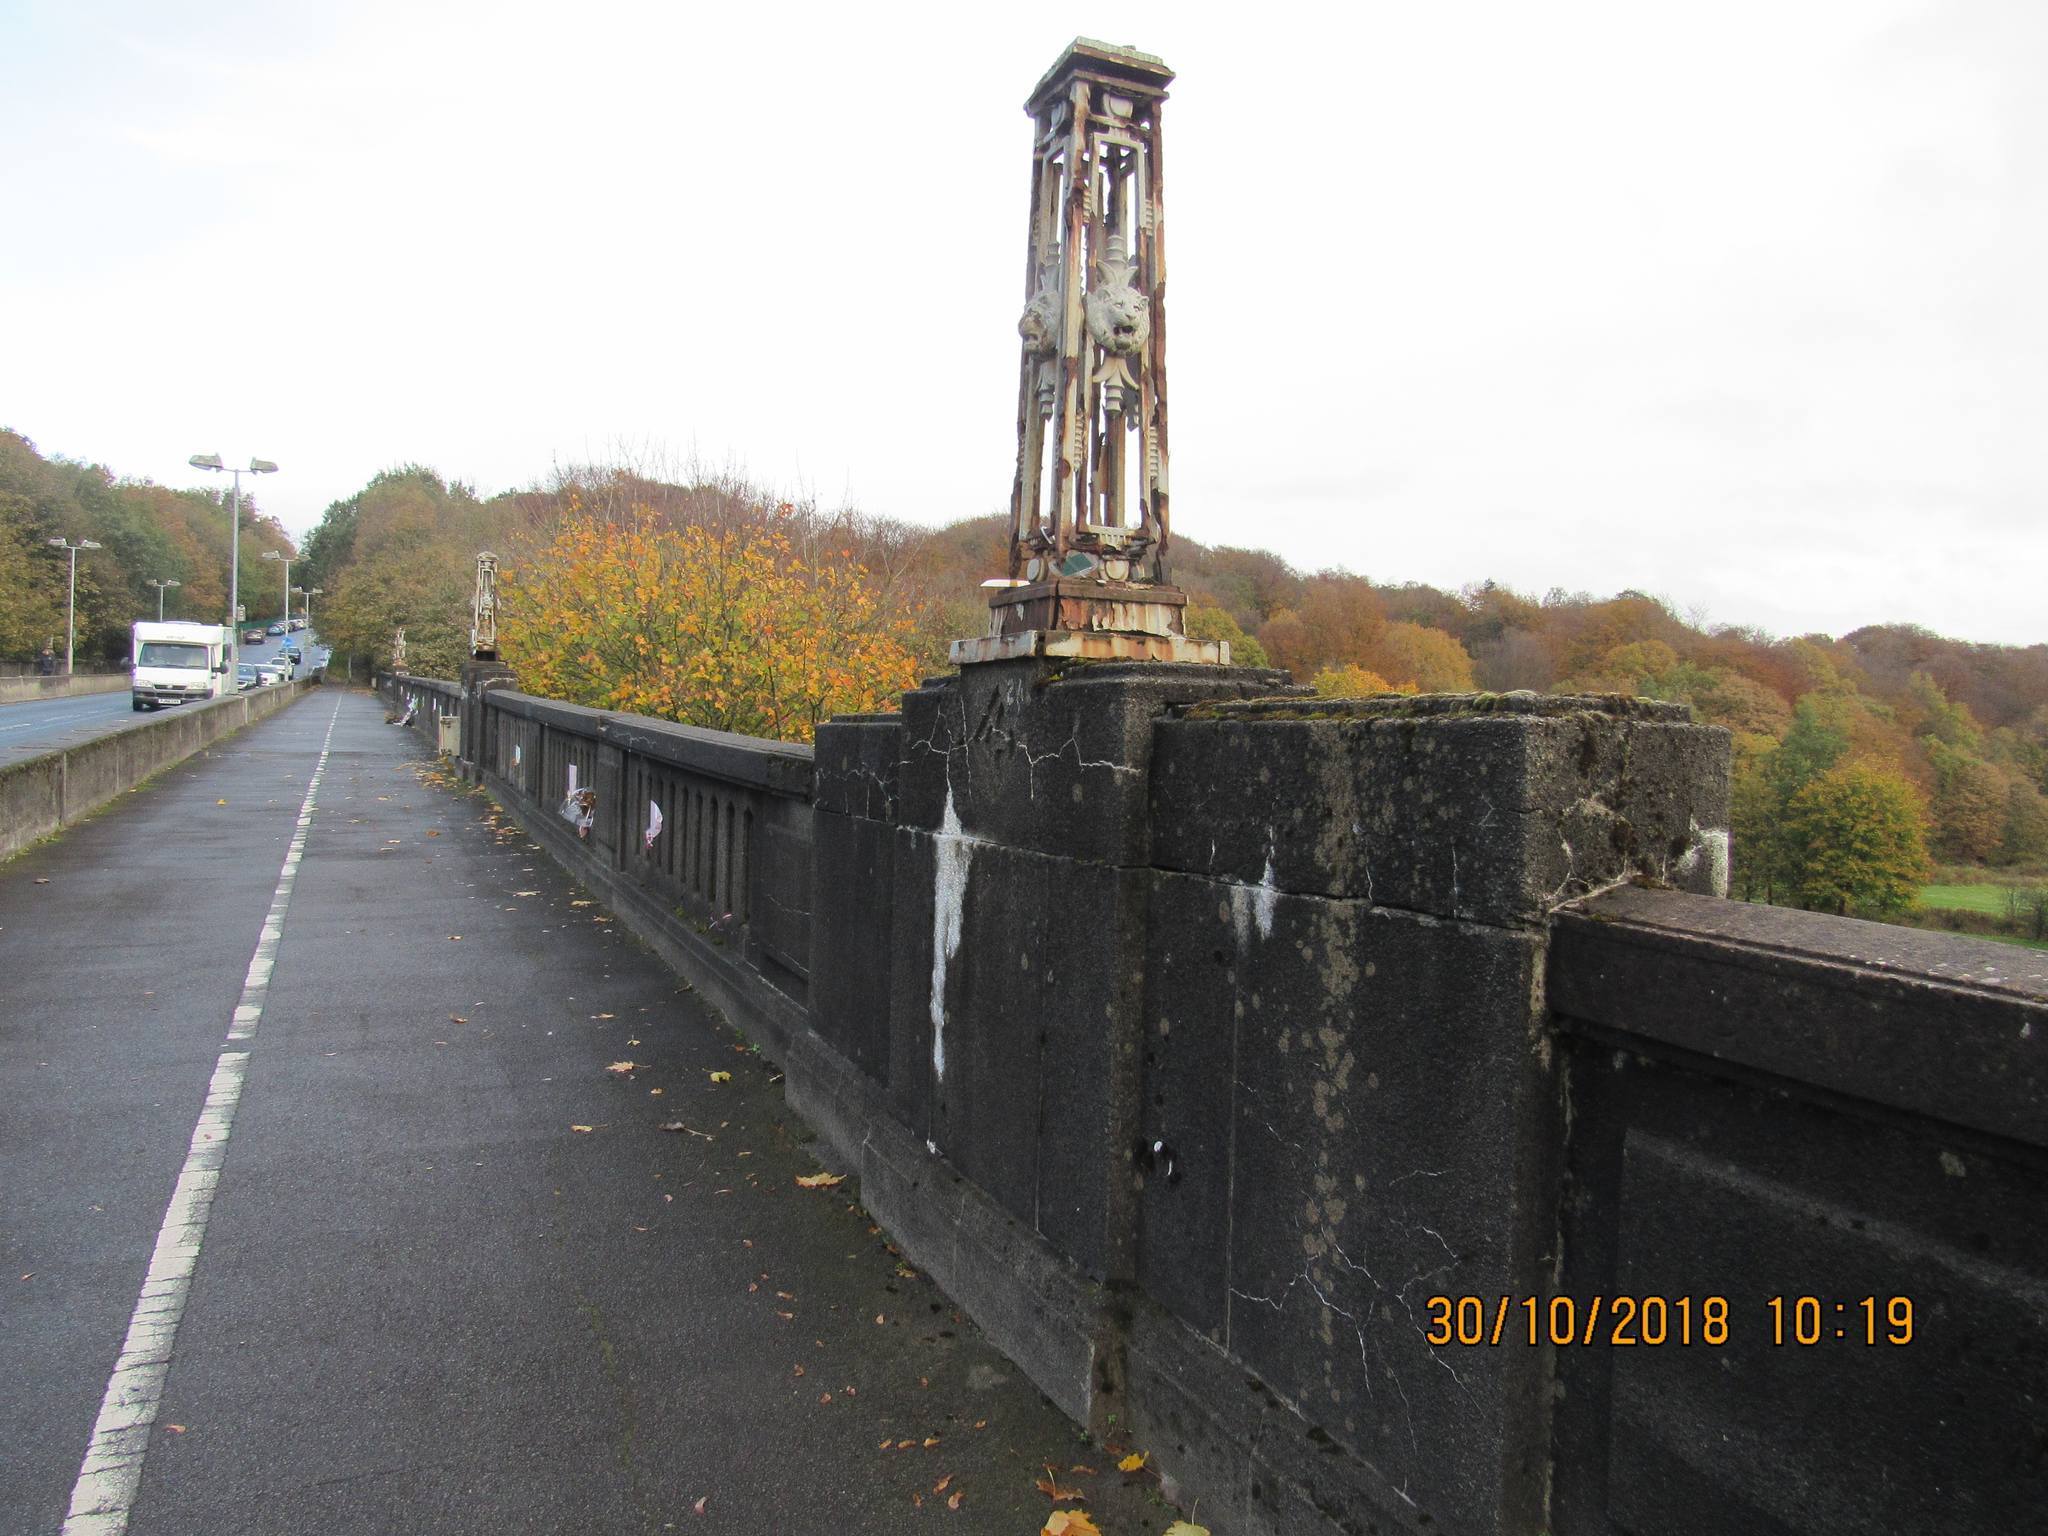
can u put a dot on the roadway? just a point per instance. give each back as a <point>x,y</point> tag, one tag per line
<point>343,1144</point>
<point>49,725</point>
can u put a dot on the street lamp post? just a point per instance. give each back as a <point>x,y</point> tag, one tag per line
<point>309,593</point>
<point>161,588</point>
<point>71,602</point>
<point>256,467</point>
<point>271,554</point>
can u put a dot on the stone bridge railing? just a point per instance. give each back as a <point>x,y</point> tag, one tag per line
<point>1264,1073</point>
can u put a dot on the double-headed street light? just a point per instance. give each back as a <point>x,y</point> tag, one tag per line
<point>161,588</point>
<point>256,467</point>
<point>71,602</point>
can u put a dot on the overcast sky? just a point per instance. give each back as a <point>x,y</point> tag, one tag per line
<point>1739,304</point>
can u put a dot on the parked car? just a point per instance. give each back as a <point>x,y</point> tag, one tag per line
<point>275,629</point>
<point>298,623</point>
<point>249,675</point>
<point>252,637</point>
<point>272,672</point>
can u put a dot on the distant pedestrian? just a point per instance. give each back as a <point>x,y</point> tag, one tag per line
<point>46,664</point>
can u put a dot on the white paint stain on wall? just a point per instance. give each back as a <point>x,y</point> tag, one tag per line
<point>1254,904</point>
<point>949,901</point>
<point>1713,841</point>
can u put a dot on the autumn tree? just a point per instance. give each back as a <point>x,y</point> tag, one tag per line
<point>1204,622</point>
<point>1355,682</point>
<point>730,629</point>
<point>1855,841</point>
<point>1429,659</point>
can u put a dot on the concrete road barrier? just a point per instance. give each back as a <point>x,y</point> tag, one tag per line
<point>41,795</point>
<point>25,690</point>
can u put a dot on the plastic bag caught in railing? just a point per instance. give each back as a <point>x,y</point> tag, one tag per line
<point>579,806</point>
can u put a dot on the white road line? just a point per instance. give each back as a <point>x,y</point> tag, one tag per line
<point>112,1470</point>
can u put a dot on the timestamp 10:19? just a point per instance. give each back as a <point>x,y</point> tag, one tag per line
<point>1808,1320</point>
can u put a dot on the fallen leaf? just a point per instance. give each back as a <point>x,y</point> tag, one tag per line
<point>981,1423</point>
<point>785,1316</point>
<point>583,1130</point>
<point>526,893</point>
<point>698,1507</point>
<point>930,1441</point>
<point>45,879</point>
<point>1049,1485</point>
<point>799,1370</point>
<point>456,1018</point>
<point>785,1296</point>
<point>1134,1461</point>
<point>453,937</point>
<point>1184,1528</point>
<point>820,1180</point>
<point>904,1445</point>
<point>916,1499</point>
<point>657,1092</point>
<point>721,1077</point>
<point>1069,1522</point>
<point>881,1319</point>
<point>1085,1471</point>
<point>579,903</point>
<point>943,1483</point>
<point>825,1397</point>
<point>954,1501</point>
<point>886,1443</point>
<point>431,832</point>
<point>220,802</point>
<point>623,1068</point>
<point>603,1015</point>
<point>179,1429</point>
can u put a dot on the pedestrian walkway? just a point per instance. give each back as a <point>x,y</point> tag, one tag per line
<point>479,1221</point>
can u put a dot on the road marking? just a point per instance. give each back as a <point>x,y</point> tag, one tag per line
<point>112,1470</point>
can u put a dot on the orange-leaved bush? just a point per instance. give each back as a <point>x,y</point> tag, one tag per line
<point>732,629</point>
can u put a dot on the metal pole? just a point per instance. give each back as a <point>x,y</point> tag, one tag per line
<point>159,602</point>
<point>235,579</point>
<point>71,614</point>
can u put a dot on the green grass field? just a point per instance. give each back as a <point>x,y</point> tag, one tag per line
<point>1988,899</point>
<point>1980,897</point>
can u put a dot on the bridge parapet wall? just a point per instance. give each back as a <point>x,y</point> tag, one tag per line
<point>1195,1039</point>
<point>1784,1107</point>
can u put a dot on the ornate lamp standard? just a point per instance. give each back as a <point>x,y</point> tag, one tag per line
<point>161,588</point>
<point>1089,531</point>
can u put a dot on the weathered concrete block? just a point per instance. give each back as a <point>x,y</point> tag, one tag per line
<point>911,979</point>
<point>855,762</point>
<point>1354,1109</point>
<point>1012,1030</point>
<point>777,893</point>
<point>852,937</point>
<point>1488,807</point>
<point>1689,1187</point>
<point>1032,755</point>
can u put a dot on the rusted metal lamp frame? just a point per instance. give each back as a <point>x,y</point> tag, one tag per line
<point>1089,526</point>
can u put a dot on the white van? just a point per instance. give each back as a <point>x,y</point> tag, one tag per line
<point>178,663</point>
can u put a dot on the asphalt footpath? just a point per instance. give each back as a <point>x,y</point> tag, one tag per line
<point>507,1233</point>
